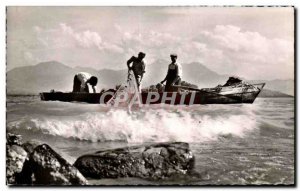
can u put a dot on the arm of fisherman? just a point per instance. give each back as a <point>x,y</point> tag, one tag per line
<point>94,89</point>
<point>129,62</point>
<point>166,76</point>
<point>179,70</point>
<point>143,69</point>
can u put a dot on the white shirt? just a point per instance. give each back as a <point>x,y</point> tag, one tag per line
<point>83,77</point>
<point>179,70</point>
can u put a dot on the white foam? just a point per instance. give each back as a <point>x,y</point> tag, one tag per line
<point>152,124</point>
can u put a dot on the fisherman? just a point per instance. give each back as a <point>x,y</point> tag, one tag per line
<point>81,81</point>
<point>138,67</point>
<point>174,74</point>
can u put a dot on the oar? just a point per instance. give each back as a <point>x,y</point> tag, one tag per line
<point>201,90</point>
<point>194,89</point>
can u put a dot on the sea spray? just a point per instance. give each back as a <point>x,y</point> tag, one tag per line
<point>246,135</point>
<point>150,124</point>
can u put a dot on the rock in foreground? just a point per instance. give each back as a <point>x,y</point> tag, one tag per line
<point>15,158</point>
<point>12,139</point>
<point>46,167</point>
<point>147,161</point>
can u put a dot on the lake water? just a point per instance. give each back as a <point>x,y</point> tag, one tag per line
<point>233,144</point>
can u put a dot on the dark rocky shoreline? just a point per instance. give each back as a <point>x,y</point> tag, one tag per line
<point>36,163</point>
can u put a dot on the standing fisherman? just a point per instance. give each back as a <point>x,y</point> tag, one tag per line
<point>138,67</point>
<point>174,74</point>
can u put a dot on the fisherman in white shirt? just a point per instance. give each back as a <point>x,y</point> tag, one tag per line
<point>82,80</point>
<point>174,74</point>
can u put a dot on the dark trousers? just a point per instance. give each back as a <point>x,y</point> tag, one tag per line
<point>77,85</point>
<point>170,83</point>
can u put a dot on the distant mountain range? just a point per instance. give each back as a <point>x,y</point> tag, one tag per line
<point>272,93</point>
<point>54,75</point>
<point>284,86</point>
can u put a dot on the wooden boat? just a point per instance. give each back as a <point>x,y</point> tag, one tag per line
<point>235,94</point>
<point>71,97</point>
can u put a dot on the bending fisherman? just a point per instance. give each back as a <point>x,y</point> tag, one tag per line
<point>174,74</point>
<point>81,81</point>
<point>138,67</point>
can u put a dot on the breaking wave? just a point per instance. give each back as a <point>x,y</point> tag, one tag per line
<point>152,124</point>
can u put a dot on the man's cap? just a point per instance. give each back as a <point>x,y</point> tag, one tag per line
<point>142,54</point>
<point>173,55</point>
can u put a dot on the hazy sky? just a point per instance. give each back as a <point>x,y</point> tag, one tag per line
<point>255,43</point>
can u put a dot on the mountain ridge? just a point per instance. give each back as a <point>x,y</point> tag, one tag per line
<point>54,75</point>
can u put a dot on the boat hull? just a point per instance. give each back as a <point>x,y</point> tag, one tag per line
<point>71,97</point>
<point>173,98</point>
<point>201,98</point>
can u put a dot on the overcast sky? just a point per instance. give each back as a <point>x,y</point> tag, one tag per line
<point>255,43</point>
